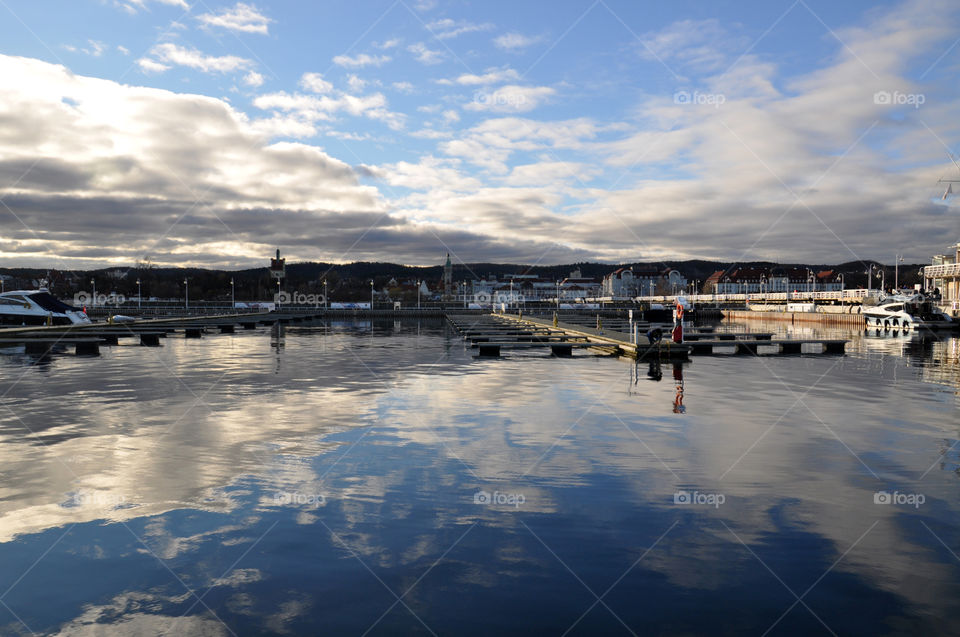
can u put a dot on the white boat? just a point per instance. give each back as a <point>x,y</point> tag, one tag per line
<point>900,311</point>
<point>37,307</point>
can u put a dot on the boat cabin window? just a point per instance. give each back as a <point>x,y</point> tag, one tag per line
<point>50,303</point>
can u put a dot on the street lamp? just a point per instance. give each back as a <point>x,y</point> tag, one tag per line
<point>326,299</point>
<point>139,295</point>
<point>419,283</point>
<point>371,295</point>
<point>93,282</point>
<point>186,293</point>
<point>896,265</point>
<point>558,295</point>
<point>279,298</point>
<point>233,296</point>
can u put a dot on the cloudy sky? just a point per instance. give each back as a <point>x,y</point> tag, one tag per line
<point>209,133</point>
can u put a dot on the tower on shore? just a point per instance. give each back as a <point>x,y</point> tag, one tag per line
<point>448,280</point>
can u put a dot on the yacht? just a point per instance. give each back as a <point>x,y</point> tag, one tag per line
<point>900,311</point>
<point>37,307</point>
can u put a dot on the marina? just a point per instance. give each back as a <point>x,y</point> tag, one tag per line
<point>247,494</point>
<point>479,318</point>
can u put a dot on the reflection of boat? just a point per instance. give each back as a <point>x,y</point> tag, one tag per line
<point>37,307</point>
<point>906,312</point>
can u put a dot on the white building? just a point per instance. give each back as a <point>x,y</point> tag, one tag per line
<point>943,275</point>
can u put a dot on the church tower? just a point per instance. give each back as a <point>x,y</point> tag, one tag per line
<point>448,280</point>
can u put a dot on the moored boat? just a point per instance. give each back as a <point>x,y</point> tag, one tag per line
<point>37,307</point>
<point>900,311</point>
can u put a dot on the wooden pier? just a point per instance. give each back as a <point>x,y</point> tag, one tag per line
<point>491,333</point>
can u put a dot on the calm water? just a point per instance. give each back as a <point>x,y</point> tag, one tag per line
<point>343,480</point>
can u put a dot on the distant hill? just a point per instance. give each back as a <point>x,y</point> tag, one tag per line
<point>349,281</point>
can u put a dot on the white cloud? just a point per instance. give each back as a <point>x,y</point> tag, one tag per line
<point>123,163</point>
<point>425,55</point>
<point>123,49</point>
<point>361,60</point>
<point>700,44</point>
<point>168,54</point>
<point>355,83</point>
<point>150,66</point>
<point>243,17</point>
<point>515,41</point>
<point>96,48</point>
<point>315,83</point>
<point>510,99</point>
<point>312,108</point>
<point>132,6</point>
<point>447,28</point>
<point>425,5</point>
<point>403,87</point>
<point>451,116</point>
<point>491,76</point>
<point>387,44</point>
<point>253,79</point>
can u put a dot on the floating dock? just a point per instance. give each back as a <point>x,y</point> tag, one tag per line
<point>491,333</point>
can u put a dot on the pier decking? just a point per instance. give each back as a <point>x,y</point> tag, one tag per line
<point>489,334</point>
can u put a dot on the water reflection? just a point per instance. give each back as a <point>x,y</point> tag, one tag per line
<point>303,479</point>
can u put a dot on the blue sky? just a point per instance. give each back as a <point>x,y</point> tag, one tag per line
<point>533,132</point>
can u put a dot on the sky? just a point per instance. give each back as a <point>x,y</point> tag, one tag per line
<point>208,133</point>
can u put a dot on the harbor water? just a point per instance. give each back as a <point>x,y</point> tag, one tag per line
<point>351,478</point>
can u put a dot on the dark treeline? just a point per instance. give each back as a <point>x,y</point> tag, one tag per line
<point>351,281</point>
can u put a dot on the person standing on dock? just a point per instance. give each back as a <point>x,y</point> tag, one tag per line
<point>678,323</point>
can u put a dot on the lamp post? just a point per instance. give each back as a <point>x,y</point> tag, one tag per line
<point>896,271</point>
<point>326,299</point>
<point>869,279</point>
<point>233,296</point>
<point>511,291</point>
<point>186,294</point>
<point>558,295</point>
<point>139,295</point>
<point>371,295</point>
<point>93,282</point>
<point>763,284</point>
<point>279,298</point>
<point>842,286</point>
<point>419,283</point>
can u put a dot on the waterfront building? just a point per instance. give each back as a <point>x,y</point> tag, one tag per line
<point>943,275</point>
<point>627,282</point>
<point>777,279</point>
